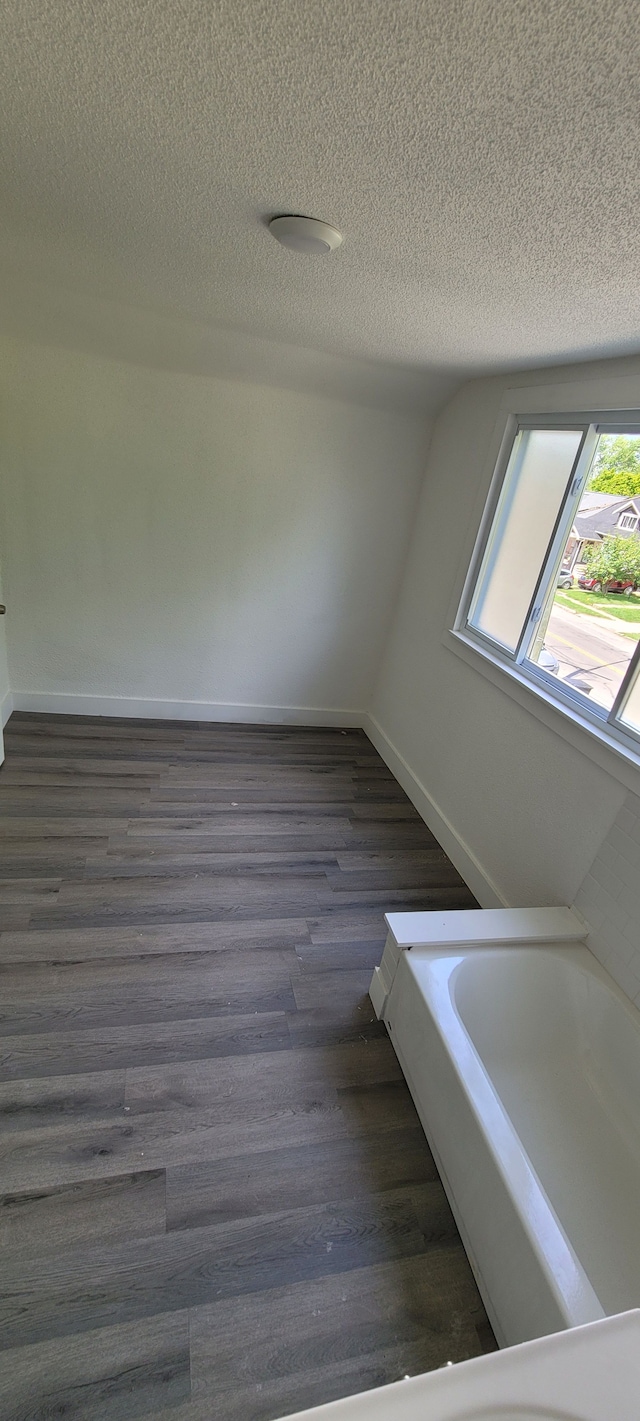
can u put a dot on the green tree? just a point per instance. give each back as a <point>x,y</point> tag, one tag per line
<point>616,454</point>
<point>614,560</point>
<point>619,481</point>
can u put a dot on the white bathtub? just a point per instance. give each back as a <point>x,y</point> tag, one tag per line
<point>524,1064</point>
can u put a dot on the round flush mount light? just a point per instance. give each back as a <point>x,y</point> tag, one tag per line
<point>305,234</point>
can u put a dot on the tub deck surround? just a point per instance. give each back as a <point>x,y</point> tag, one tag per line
<point>523,1059</point>
<point>466,927</point>
<point>591,1373</point>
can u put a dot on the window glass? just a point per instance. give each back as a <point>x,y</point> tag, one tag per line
<point>533,491</point>
<point>558,588</point>
<point>630,715</point>
<point>591,619</point>
<point>588,647</point>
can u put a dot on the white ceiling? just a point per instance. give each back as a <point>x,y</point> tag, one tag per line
<point>481,157</point>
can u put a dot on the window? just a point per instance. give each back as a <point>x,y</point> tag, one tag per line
<point>569,628</point>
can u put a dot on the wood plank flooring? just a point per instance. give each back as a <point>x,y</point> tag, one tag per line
<point>216,1197</point>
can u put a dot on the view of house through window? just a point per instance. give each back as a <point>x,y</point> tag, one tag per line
<point>558,587</point>
<point>591,621</point>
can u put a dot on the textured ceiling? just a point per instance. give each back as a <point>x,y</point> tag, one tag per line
<point>482,158</point>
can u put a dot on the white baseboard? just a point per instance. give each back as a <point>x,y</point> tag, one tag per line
<point>478,880</point>
<point>59,703</point>
<point>6,707</point>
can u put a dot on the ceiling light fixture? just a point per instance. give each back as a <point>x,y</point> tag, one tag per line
<point>305,234</point>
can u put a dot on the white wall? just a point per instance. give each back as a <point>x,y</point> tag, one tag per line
<point>609,899</point>
<point>192,539</point>
<point>506,792</point>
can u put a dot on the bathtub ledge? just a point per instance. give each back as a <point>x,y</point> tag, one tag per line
<point>467,927</point>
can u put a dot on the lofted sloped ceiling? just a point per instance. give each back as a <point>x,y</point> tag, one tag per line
<point>481,157</point>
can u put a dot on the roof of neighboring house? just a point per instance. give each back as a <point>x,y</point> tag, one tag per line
<point>599,514</point>
<point>591,499</point>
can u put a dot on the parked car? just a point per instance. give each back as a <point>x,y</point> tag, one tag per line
<point>593,584</point>
<point>565,578</point>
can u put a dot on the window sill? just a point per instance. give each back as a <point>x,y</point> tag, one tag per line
<point>578,730</point>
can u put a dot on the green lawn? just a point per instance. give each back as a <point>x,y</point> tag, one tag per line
<point>597,604</point>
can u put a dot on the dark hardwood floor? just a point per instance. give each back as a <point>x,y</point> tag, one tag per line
<point>217,1200</point>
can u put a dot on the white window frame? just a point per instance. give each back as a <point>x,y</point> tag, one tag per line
<point>566,710</point>
<point>628,520</point>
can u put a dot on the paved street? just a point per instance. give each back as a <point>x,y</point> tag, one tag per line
<point>589,652</point>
